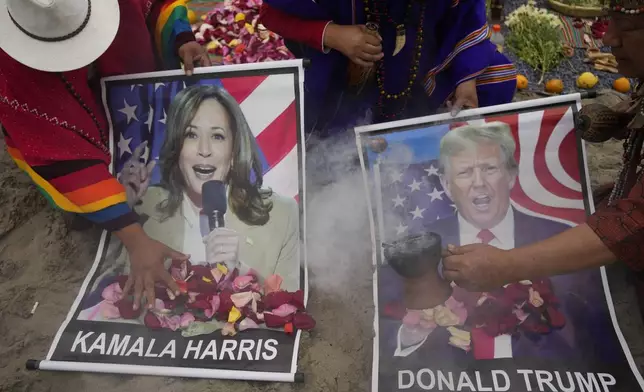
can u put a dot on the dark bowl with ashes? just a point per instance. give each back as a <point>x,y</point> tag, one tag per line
<point>415,258</point>
<point>414,255</point>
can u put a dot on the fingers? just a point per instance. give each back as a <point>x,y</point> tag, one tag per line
<point>456,106</point>
<point>370,58</point>
<point>138,290</point>
<point>461,250</point>
<point>204,60</point>
<point>167,279</point>
<point>451,275</point>
<point>150,166</point>
<point>361,62</point>
<point>128,285</point>
<point>375,50</point>
<point>148,283</point>
<point>372,39</point>
<point>188,64</point>
<point>138,151</point>
<point>175,255</point>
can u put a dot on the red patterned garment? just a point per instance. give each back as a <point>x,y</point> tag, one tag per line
<point>621,226</point>
<point>55,127</point>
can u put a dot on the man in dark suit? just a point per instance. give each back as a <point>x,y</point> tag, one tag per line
<point>478,171</point>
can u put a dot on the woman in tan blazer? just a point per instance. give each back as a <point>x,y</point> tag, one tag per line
<point>208,138</point>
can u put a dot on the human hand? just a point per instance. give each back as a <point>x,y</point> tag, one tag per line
<point>479,267</point>
<point>192,53</point>
<point>136,175</point>
<point>222,246</point>
<point>465,96</point>
<point>355,42</point>
<point>147,258</point>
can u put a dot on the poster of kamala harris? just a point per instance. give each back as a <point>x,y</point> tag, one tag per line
<point>213,165</point>
<point>506,176</point>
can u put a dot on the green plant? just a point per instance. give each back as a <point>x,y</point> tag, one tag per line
<point>534,37</point>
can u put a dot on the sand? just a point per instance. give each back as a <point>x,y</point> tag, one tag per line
<point>41,260</point>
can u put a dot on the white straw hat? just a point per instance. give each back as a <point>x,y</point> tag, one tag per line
<point>57,35</point>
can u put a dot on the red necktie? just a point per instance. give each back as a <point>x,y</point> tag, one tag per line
<point>485,236</point>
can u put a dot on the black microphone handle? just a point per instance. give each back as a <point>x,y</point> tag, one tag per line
<point>215,220</point>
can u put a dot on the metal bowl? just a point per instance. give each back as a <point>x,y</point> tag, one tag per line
<point>415,255</point>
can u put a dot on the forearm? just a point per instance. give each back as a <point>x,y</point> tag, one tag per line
<point>573,250</point>
<point>130,235</point>
<point>308,32</point>
<point>81,186</point>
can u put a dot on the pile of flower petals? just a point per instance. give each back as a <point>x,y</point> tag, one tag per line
<point>417,324</point>
<point>526,306</point>
<point>212,293</point>
<point>234,33</point>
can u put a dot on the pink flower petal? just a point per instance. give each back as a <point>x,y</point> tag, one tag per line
<point>112,293</point>
<point>242,282</point>
<point>412,318</point>
<point>109,311</point>
<point>284,310</point>
<point>241,299</point>
<point>186,319</point>
<point>228,330</point>
<point>272,283</point>
<point>247,323</point>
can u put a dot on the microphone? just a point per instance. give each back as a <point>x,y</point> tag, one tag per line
<point>213,195</point>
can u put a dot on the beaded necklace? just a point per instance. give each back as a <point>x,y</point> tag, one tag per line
<point>632,158</point>
<point>374,9</point>
<point>101,144</point>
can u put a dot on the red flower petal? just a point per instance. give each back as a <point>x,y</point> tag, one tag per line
<point>122,279</point>
<point>533,324</point>
<point>126,311</point>
<point>273,321</point>
<point>225,303</point>
<point>152,321</point>
<point>199,304</point>
<point>201,271</point>
<point>277,299</point>
<point>297,299</point>
<point>248,312</point>
<point>555,317</point>
<point>303,321</point>
<point>394,310</point>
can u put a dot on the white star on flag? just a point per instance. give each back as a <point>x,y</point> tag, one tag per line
<point>436,194</point>
<point>396,176</point>
<point>132,87</point>
<point>417,213</point>
<point>432,171</point>
<point>454,207</point>
<point>129,111</point>
<point>414,186</point>
<point>400,229</point>
<point>124,145</point>
<point>150,119</point>
<point>157,85</point>
<point>163,120</point>
<point>398,201</point>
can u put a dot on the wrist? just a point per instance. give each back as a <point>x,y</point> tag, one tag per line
<point>131,235</point>
<point>330,37</point>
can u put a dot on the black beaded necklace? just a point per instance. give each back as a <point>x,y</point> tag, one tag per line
<point>101,144</point>
<point>374,10</point>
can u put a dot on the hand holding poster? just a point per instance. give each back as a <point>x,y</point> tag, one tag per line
<point>212,164</point>
<point>506,177</point>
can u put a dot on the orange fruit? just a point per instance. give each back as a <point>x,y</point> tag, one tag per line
<point>622,85</point>
<point>522,82</point>
<point>554,86</point>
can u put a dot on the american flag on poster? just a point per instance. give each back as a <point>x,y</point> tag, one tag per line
<point>549,181</point>
<point>139,112</point>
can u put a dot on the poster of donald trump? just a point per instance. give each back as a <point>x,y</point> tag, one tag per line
<point>506,176</point>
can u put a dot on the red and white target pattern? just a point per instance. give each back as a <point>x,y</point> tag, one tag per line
<point>549,181</point>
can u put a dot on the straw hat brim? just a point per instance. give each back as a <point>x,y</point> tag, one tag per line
<point>67,55</point>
